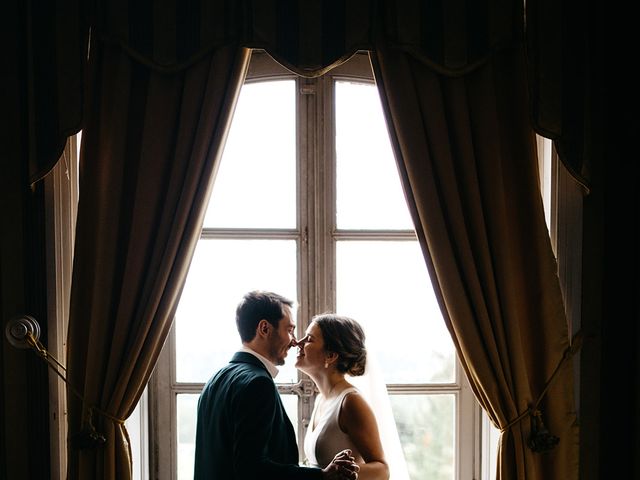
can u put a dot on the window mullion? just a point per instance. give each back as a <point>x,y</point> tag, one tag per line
<point>307,270</point>
<point>316,193</point>
<point>468,428</point>
<point>305,158</point>
<point>328,200</point>
<point>248,233</point>
<point>162,421</point>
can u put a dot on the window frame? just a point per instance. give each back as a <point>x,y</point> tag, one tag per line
<point>316,235</point>
<point>61,206</point>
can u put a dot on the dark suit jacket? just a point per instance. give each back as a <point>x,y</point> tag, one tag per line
<point>243,432</point>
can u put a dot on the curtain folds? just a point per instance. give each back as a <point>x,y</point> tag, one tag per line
<point>150,148</point>
<point>466,153</point>
<point>163,82</point>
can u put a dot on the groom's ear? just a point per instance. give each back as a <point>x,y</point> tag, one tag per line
<point>263,327</point>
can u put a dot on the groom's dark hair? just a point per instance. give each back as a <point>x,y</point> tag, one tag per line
<point>255,306</point>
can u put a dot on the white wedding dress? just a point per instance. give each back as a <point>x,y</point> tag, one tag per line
<point>326,439</point>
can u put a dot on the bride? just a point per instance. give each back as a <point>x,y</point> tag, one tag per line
<point>332,347</point>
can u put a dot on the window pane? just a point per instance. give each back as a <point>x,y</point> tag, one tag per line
<point>386,287</point>
<point>137,428</point>
<point>426,426</point>
<point>490,442</point>
<point>256,183</point>
<point>368,192</point>
<point>221,272</point>
<point>187,409</point>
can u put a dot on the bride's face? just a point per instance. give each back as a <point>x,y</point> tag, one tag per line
<point>311,352</point>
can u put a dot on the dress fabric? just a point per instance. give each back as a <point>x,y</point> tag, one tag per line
<point>325,440</point>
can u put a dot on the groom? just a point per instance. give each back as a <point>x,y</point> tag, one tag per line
<point>243,432</point>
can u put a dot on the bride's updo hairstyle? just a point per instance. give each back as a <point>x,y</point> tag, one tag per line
<point>344,336</point>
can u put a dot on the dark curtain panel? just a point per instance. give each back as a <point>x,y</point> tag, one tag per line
<point>54,49</point>
<point>562,57</point>
<point>466,151</point>
<point>150,148</point>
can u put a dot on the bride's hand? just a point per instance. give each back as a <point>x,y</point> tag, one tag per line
<point>344,454</point>
<point>342,467</point>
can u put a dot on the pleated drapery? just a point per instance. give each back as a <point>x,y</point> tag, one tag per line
<point>310,36</point>
<point>150,148</point>
<point>466,151</point>
<point>163,80</point>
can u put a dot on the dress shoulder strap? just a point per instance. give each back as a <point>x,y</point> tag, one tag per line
<point>340,400</point>
<point>346,392</point>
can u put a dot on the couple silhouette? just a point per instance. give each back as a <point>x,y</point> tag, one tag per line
<point>243,431</point>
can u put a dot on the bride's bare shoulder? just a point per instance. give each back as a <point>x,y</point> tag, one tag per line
<point>355,412</point>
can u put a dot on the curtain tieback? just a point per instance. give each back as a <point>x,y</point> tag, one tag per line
<point>88,437</point>
<point>540,439</point>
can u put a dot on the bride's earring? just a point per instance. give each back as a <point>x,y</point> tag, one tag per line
<point>326,364</point>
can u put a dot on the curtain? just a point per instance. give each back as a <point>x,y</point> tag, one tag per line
<point>452,35</point>
<point>150,148</point>
<point>163,80</point>
<point>53,48</point>
<point>562,55</point>
<point>466,153</point>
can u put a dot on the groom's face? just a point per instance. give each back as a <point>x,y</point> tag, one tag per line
<point>282,338</point>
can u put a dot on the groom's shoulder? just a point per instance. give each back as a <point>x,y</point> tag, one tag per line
<point>243,381</point>
<point>244,366</point>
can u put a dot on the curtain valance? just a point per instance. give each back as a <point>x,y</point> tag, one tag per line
<point>453,37</point>
<point>307,36</point>
<point>311,36</point>
<point>54,52</point>
<point>561,56</point>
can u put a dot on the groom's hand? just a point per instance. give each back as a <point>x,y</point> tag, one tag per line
<point>342,467</point>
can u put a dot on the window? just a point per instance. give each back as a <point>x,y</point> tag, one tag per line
<point>61,197</point>
<point>562,199</point>
<point>311,227</point>
<point>307,202</point>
